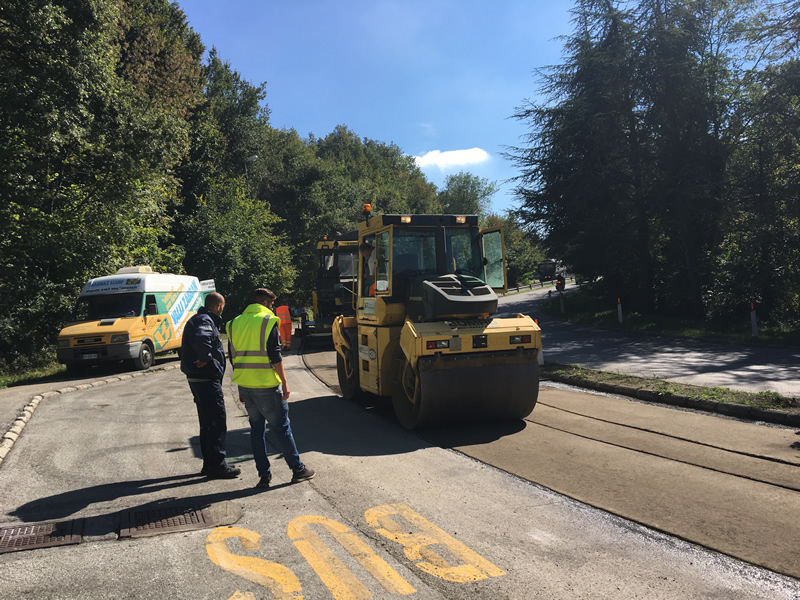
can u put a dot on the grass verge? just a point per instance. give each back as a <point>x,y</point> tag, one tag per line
<point>661,387</point>
<point>38,374</point>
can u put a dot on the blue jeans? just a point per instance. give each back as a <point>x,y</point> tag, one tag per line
<point>265,405</point>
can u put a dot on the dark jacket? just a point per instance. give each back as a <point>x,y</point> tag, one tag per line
<point>201,341</point>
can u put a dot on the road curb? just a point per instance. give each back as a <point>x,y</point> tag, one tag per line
<point>741,411</point>
<point>26,414</point>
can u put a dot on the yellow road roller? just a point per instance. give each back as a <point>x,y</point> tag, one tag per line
<point>424,332</point>
<point>334,289</point>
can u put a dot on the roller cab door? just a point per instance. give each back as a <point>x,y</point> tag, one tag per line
<point>494,267</point>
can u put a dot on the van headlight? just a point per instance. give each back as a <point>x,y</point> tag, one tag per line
<point>120,337</point>
<point>62,343</point>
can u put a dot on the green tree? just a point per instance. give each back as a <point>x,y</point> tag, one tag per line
<point>88,143</point>
<point>584,170</point>
<point>625,168</point>
<point>760,250</point>
<point>467,194</point>
<point>318,186</point>
<point>681,92</point>
<point>234,240</point>
<point>226,223</point>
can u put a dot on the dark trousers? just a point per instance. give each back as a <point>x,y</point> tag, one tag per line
<point>213,425</point>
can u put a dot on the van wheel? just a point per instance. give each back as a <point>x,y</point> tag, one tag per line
<point>145,359</point>
<point>74,367</point>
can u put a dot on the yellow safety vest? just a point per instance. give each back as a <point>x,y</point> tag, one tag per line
<point>248,334</point>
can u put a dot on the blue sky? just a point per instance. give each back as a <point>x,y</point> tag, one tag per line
<point>439,78</point>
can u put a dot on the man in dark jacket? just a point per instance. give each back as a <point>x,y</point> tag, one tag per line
<point>203,362</point>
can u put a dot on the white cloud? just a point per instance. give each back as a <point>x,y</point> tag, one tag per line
<point>451,158</point>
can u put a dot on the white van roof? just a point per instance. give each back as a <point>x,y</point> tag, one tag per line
<point>137,279</point>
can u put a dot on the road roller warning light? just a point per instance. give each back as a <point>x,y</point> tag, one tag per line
<point>437,344</point>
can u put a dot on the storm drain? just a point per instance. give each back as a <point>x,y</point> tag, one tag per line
<point>143,523</point>
<point>40,535</point>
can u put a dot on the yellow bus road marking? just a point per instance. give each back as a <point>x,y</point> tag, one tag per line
<point>340,581</point>
<point>416,545</point>
<point>278,579</point>
<point>332,571</point>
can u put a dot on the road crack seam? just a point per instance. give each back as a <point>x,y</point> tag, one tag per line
<point>674,437</point>
<point>691,464</point>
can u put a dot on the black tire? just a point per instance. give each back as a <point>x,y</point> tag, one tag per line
<point>407,400</point>
<point>145,359</point>
<point>347,370</point>
<point>75,368</point>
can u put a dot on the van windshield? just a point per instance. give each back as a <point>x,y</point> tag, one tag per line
<point>111,306</point>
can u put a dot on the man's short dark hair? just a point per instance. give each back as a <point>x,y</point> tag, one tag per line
<point>262,294</point>
<point>365,246</point>
<point>213,300</point>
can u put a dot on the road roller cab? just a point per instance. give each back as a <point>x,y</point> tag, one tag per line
<point>423,330</point>
<point>335,287</point>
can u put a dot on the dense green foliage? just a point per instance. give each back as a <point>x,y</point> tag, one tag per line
<point>466,194</point>
<point>665,156</point>
<point>120,145</point>
<point>92,121</point>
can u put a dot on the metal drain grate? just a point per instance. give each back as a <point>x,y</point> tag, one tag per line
<point>40,535</point>
<point>143,523</point>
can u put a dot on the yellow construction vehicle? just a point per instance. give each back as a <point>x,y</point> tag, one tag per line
<point>334,290</point>
<point>423,332</point>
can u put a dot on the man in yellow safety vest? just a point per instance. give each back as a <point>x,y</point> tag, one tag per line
<point>254,346</point>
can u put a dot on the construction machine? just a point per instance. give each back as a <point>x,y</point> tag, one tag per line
<point>423,331</point>
<point>334,290</point>
<point>547,270</point>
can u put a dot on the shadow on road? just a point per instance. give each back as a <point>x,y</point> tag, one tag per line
<point>455,436</point>
<point>60,506</point>
<point>63,506</point>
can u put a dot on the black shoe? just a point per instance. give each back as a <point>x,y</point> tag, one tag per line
<point>226,472</point>
<point>264,482</point>
<point>204,470</point>
<point>303,475</point>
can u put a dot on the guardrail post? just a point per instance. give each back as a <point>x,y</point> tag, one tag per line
<point>619,310</point>
<point>753,319</point>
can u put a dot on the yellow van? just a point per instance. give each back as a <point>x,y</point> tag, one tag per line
<point>133,316</point>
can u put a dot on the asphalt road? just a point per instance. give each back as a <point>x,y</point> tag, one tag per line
<point>726,484</point>
<point>388,513</point>
<point>709,364</point>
